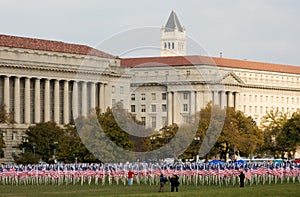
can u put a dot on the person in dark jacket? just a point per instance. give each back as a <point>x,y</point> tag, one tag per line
<point>242,179</point>
<point>174,180</point>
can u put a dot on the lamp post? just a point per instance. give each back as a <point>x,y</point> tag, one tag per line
<point>54,150</point>
<point>197,140</point>
<point>34,146</point>
<point>152,141</point>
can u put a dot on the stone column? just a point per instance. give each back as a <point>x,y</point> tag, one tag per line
<point>102,98</point>
<point>223,99</point>
<point>66,102</point>
<point>176,107</point>
<point>27,101</point>
<point>216,98</point>
<point>200,100</point>
<point>207,97</point>
<point>230,99</point>
<point>56,101</point>
<point>47,101</point>
<point>17,99</point>
<point>37,101</point>
<point>75,100</point>
<point>93,95</point>
<point>6,94</point>
<point>84,98</point>
<point>236,100</point>
<point>170,107</point>
<point>193,103</point>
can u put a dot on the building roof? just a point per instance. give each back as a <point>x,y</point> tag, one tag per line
<point>49,45</point>
<point>173,23</point>
<point>205,60</point>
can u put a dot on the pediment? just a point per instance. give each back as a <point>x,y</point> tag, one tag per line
<point>231,78</point>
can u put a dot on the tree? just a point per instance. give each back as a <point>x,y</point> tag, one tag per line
<point>238,132</point>
<point>41,143</point>
<point>289,139</point>
<point>272,125</point>
<point>49,143</point>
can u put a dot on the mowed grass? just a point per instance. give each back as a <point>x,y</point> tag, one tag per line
<point>291,189</point>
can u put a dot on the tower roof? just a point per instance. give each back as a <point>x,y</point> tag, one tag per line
<point>173,23</point>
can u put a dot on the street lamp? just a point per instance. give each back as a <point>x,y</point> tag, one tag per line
<point>197,140</point>
<point>152,141</point>
<point>54,150</point>
<point>34,146</point>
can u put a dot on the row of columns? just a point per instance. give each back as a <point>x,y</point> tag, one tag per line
<point>198,100</point>
<point>77,109</point>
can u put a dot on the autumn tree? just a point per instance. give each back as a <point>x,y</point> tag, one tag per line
<point>238,133</point>
<point>289,139</point>
<point>272,125</point>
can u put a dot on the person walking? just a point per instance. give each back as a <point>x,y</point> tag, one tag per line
<point>162,181</point>
<point>174,180</point>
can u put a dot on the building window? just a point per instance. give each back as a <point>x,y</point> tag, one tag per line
<point>143,108</point>
<point>185,96</point>
<point>255,97</point>
<point>153,121</point>
<point>165,45</point>
<point>14,136</point>
<point>250,98</point>
<point>153,96</point>
<point>113,89</point>
<point>153,108</point>
<point>185,107</point>
<point>164,96</point>
<point>143,96</point>
<point>163,107</point>
<point>143,120</point>
<point>121,89</point>
<point>113,101</point>
<point>132,108</point>
<point>133,97</point>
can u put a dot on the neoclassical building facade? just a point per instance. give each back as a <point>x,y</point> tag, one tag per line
<point>166,90</point>
<point>42,80</point>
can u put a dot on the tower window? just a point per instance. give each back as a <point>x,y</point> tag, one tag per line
<point>173,45</point>
<point>165,45</point>
<point>169,45</point>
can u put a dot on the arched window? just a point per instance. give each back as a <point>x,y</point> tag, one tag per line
<point>173,45</point>
<point>169,45</point>
<point>165,45</point>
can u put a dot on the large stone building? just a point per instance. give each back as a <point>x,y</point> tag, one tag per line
<point>43,80</point>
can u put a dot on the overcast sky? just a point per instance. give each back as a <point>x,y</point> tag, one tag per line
<point>258,30</point>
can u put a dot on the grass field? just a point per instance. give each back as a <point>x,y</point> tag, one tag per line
<point>291,189</point>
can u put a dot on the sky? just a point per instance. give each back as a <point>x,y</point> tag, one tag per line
<point>256,30</point>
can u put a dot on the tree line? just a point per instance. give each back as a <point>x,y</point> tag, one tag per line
<point>277,136</point>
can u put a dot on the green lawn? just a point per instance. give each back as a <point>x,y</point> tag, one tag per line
<point>291,189</point>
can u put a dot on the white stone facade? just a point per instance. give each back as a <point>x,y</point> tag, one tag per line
<point>39,86</point>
